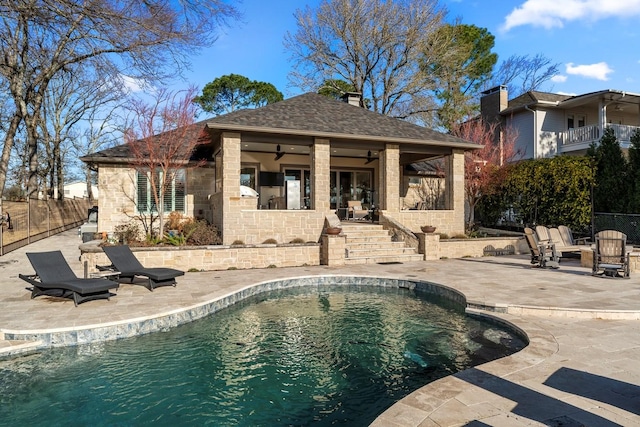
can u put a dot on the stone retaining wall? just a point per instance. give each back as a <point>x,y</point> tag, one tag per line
<point>207,258</point>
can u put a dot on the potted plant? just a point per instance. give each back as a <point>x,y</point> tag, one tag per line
<point>333,231</point>
<point>428,228</point>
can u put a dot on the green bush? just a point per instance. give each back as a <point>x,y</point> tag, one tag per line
<point>550,191</point>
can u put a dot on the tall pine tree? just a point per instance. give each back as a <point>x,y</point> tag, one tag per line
<point>611,190</point>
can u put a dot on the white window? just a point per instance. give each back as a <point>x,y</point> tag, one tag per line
<point>174,194</point>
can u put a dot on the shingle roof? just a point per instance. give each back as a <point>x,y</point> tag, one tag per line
<point>533,97</point>
<point>316,114</point>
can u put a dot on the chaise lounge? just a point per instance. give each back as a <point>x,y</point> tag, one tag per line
<point>54,277</point>
<point>126,263</point>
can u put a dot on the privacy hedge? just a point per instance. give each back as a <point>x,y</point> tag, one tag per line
<point>549,191</point>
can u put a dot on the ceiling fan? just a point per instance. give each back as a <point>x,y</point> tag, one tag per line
<point>279,153</point>
<point>369,158</point>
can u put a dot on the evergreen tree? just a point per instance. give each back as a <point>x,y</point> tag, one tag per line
<point>611,189</point>
<point>634,173</point>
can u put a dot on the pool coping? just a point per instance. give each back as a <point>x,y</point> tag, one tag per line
<point>414,409</point>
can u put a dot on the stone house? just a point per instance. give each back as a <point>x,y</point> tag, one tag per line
<point>280,171</point>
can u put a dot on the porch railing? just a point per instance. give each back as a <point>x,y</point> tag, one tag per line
<point>593,133</point>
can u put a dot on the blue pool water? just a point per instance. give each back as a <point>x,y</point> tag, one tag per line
<point>303,356</point>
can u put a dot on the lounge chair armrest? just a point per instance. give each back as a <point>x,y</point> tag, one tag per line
<point>106,267</point>
<point>582,241</point>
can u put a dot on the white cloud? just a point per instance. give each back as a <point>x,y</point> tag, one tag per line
<point>559,78</point>
<point>597,71</point>
<point>554,13</point>
<point>132,84</point>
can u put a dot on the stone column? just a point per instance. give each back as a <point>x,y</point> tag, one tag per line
<point>390,178</point>
<point>320,174</point>
<point>333,250</point>
<point>457,194</point>
<point>230,142</point>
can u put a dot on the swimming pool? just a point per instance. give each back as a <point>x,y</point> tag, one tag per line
<point>315,354</point>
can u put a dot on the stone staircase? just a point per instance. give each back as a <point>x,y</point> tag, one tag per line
<point>368,243</point>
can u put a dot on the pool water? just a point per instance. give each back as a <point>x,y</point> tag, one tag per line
<point>302,356</point>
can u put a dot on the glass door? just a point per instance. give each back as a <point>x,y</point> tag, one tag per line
<point>351,185</point>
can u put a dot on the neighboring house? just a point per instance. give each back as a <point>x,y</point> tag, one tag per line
<point>548,124</point>
<point>77,190</point>
<point>306,157</point>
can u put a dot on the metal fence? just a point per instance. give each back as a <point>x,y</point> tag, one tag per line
<point>629,224</point>
<point>28,222</point>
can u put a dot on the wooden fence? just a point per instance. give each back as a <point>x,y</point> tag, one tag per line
<point>37,219</point>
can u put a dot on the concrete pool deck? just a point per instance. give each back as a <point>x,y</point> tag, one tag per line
<point>582,366</point>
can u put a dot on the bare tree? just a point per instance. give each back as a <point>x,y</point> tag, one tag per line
<point>481,166</point>
<point>72,97</point>
<point>161,141</point>
<point>373,45</point>
<point>522,73</point>
<point>43,38</point>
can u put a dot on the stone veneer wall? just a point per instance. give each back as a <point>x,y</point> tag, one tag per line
<point>117,195</point>
<point>460,248</point>
<point>209,258</point>
<point>254,226</point>
<point>445,221</point>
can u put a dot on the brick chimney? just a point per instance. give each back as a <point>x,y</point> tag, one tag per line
<point>352,98</point>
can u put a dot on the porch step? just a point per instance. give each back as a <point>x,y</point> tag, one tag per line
<point>368,243</point>
<point>389,259</point>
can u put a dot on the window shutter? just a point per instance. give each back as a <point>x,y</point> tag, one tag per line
<point>179,191</point>
<point>143,193</point>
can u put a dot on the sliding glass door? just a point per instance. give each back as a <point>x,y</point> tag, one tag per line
<point>351,185</point>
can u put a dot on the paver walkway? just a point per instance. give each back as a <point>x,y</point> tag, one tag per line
<point>581,368</point>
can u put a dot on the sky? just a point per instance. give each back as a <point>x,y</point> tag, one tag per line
<point>595,42</point>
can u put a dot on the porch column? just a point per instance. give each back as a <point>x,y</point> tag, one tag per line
<point>230,142</point>
<point>320,174</point>
<point>454,194</point>
<point>390,178</point>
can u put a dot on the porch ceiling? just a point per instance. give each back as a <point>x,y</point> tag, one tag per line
<point>301,145</point>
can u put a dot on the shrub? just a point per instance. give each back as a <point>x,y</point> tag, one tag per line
<point>237,243</point>
<point>176,221</point>
<point>270,242</point>
<point>297,240</point>
<point>127,233</point>
<point>200,232</point>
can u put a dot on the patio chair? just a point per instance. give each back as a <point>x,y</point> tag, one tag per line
<point>355,210</point>
<point>542,253</point>
<point>562,246</point>
<point>568,239</point>
<point>54,277</point>
<point>543,233</point>
<point>610,257</point>
<point>124,261</point>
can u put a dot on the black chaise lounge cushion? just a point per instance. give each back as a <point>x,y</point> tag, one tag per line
<point>54,277</point>
<point>127,264</point>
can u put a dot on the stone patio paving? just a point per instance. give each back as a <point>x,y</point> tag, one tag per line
<point>581,368</point>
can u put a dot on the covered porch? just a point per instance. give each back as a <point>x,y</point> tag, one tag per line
<point>300,180</point>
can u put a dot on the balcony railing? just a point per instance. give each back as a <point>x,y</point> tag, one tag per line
<point>587,134</point>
